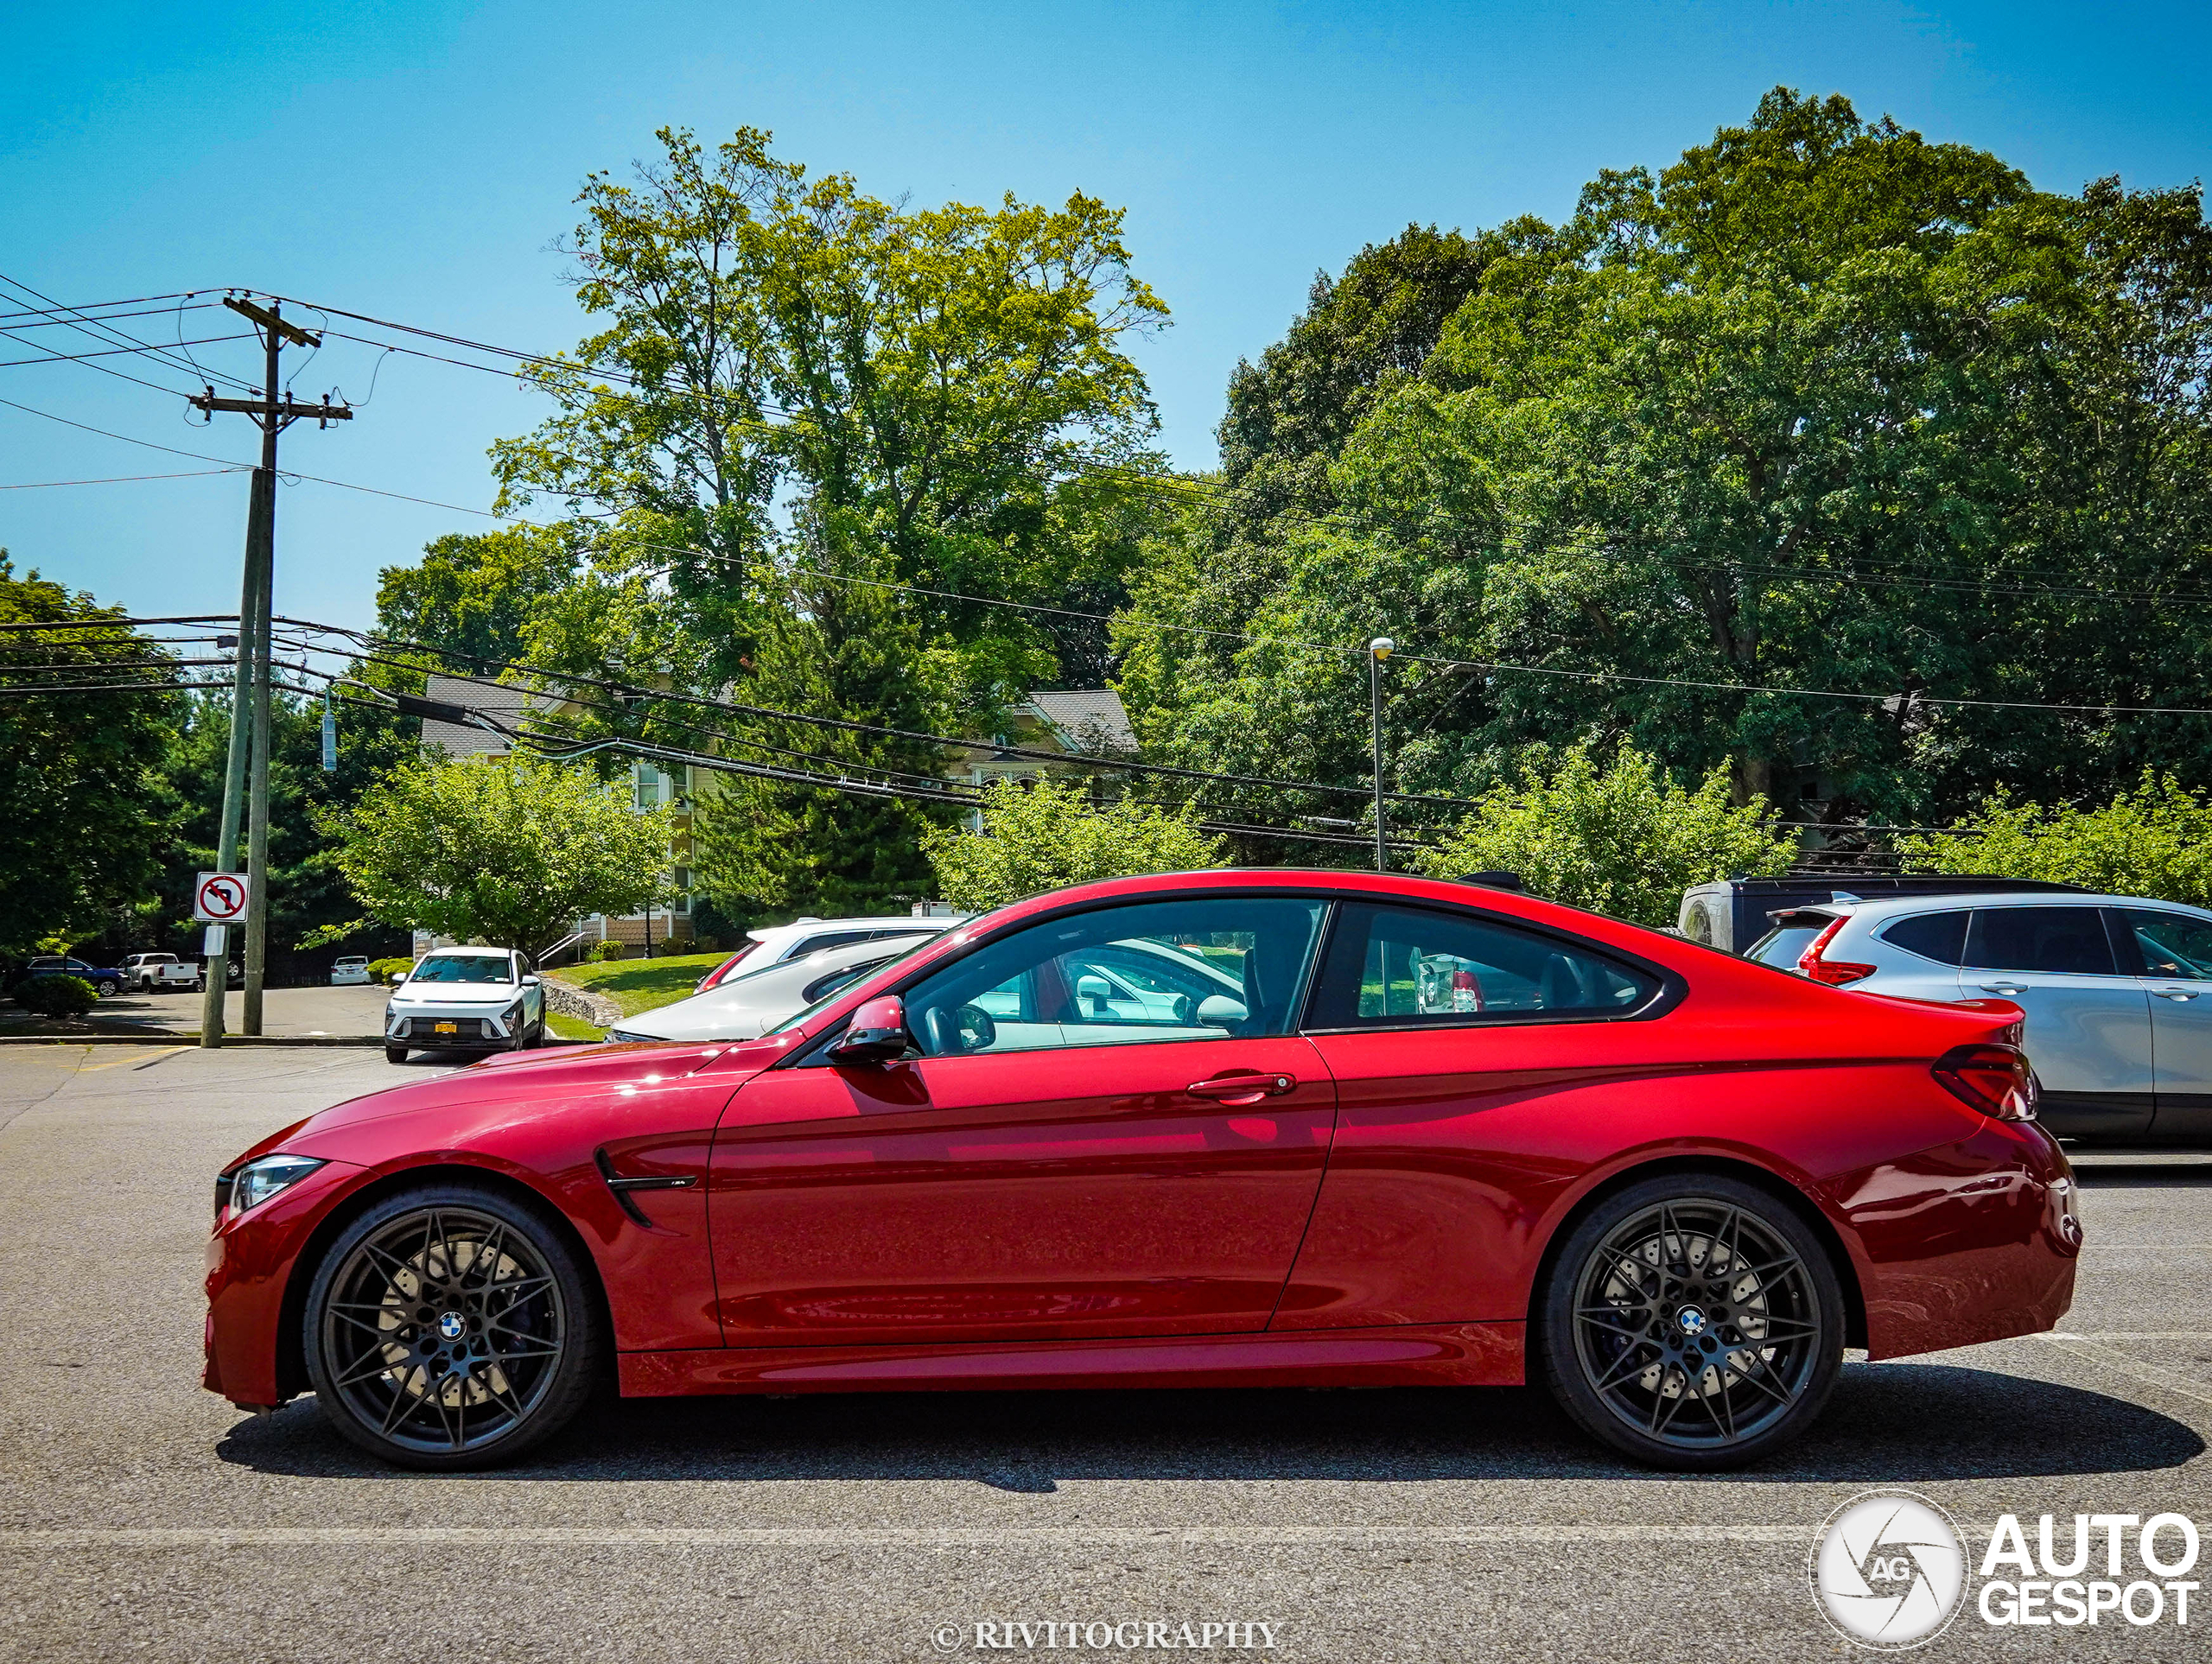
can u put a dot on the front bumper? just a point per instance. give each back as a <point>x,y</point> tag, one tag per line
<point>434,1026</point>
<point>250,1258</point>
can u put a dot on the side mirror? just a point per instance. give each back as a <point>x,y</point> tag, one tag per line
<point>1219,1011</point>
<point>397,977</point>
<point>876,1034</point>
<point>530,979</point>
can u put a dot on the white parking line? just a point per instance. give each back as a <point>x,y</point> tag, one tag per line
<point>879,1536</point>
<point>2082,1346</point>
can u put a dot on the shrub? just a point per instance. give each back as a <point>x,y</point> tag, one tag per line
<point>1041,835</point>
<point>2155,840</point>
<point>57,996</point>
<point>383,970</point>
<point>1627,841</point>
<point>602,951</point>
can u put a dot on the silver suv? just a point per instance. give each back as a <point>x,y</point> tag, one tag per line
<point>2118,992</point>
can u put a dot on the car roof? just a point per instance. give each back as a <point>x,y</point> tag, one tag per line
<point>884,921</point>
<point>1890,906</point>
<point>480,953</point>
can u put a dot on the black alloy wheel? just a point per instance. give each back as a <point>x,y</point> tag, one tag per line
<point>451,1327</point>
<point>1694,1322</point>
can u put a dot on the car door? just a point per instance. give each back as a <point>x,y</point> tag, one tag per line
<point>1029,1172</point>
<point>2173,951</point>
<point>2088,1024</point>
<point>1476,1062</point>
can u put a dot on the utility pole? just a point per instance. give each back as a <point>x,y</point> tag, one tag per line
<point>1378,650</point>
<point>246,774</point>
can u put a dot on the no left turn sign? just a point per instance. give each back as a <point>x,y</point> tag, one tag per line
<point>222,897</point>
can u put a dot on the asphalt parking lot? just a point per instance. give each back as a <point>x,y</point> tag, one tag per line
<point>142,1517</point>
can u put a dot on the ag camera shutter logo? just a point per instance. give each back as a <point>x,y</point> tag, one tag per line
<point>1888,1569</point>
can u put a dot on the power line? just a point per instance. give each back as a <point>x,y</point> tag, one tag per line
<point>197,456</point>
<point>110,352</point>
<point>123,479</point>
<point>98,329</point>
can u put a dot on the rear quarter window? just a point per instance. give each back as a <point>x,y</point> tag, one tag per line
<point>1785,945</point>
<point>1940,936</point>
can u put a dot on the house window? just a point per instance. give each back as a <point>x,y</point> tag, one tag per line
<point>679,878</point>
<point>655,785</point>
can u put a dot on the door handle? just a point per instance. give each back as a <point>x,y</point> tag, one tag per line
<point>1242,1089</point>
<point>2001,987</point>
<point>2176,993</point>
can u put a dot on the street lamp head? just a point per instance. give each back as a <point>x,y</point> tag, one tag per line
<point>1382,646</point>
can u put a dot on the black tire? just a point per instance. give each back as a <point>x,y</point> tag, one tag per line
<point>1693,1321</point>
<point>107,987</point>
<point>451,1327</point>
<point>395,1054</point>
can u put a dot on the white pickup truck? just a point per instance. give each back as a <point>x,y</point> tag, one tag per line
<point>146,972</point>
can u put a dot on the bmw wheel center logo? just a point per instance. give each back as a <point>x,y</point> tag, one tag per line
<point>452,1325</point>
<point>1691,1320</point>
<point>1888,1570</point>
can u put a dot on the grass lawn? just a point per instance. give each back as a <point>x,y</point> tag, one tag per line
<point>638,984</point>
<point>572,1028</point>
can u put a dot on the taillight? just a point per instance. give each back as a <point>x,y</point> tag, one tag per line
<point>1466,991</point>
<point>1994,1079</point>
<point>1835,972</point>
<point>713,977</point>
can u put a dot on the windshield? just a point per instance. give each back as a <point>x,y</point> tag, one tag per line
<point>1785,945</point>
<point>456,968</point>
<point>805,1011</point>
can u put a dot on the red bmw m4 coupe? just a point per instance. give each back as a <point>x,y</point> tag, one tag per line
<point>1226,1128</point>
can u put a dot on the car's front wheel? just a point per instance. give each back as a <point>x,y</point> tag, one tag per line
<point>1693,1321</point>
<point>451,1327</point>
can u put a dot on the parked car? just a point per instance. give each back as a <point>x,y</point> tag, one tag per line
<point>1670,1184</point>
<point>772,944</point>
<point>105,980</point>
<point>1731,914</point>
<point>2116,990</point>
<point>350,970</point>
<point>465,999</point>
<point>748,1005</point>
<point>147,972</point>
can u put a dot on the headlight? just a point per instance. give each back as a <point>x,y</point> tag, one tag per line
<point>258,1180</point>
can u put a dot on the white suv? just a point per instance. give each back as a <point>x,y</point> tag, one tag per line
<point>2116,991</point>
<point>465,999</point>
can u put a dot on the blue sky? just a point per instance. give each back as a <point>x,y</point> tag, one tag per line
<point>414,160</point>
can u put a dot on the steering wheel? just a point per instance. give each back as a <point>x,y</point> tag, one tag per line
<point>952,1033</point>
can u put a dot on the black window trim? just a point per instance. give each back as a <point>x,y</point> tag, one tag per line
<point>1670,988</point>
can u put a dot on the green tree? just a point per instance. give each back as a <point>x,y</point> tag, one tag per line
<point>2153,839</point>
<point>1823,405</point>
<point>505,851</point>
<point>474,594</point>
<point>845,650</point>
<point>1040,835</point>
<point>951,382</point>
<point>1624,840</point>
<point>80,826</point>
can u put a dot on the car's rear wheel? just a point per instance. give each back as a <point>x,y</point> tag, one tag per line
<point>451,1327</point>
<point>1693,1321</point>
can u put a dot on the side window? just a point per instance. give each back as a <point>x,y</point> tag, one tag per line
<point>2066,940</point>
<point>829,939</point>
<point>1402,966</point>
<point>1939,936</point>
<point>1202,968</point>
<point>2172,944</point>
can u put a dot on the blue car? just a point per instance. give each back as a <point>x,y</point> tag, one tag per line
<point>105,981</point>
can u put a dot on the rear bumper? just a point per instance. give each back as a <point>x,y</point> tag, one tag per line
<point>1966,1242</point>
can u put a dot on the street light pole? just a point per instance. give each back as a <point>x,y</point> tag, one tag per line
<point>1378,650</point>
